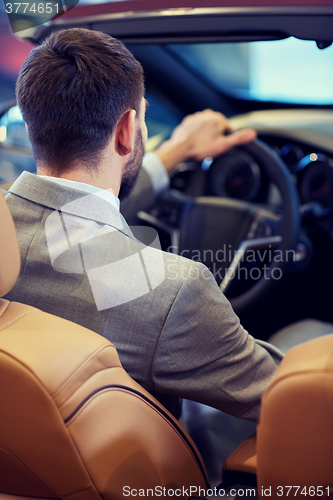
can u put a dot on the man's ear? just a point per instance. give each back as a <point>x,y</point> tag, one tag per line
<point>125,133</point>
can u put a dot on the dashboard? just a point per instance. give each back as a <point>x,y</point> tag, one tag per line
<point>312,171</point>
<point>301,138</point>
<point>238,175</point>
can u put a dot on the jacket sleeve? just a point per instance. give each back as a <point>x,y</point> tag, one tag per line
<point>204,353</point>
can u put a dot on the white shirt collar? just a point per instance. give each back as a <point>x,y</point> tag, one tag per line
<point>106,195</point>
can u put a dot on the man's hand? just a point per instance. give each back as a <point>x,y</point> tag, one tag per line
<point>200,135</point>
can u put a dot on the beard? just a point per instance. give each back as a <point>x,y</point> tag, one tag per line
<point>132,168</point>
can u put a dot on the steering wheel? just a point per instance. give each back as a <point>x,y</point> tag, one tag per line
<point>220,232</point>
<point>229,228</point>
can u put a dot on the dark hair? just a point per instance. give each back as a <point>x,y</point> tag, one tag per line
<point>72,90</point>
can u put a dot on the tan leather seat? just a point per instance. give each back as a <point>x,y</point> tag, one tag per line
<point>294,444</point>
<point>295,434</point>
<point>73,424</point>
<point>9,250</point>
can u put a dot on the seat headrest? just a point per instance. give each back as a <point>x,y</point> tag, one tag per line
<point>9,250</point>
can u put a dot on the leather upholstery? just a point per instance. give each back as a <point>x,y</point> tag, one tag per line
<point>73,424</point>
<point>9,251</point>
<point>243,458</point>
<point>295,433</point>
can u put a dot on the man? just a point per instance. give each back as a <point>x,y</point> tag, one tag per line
<point>82,96</point>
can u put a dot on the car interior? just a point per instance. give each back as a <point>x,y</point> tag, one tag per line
<point>266,209</point>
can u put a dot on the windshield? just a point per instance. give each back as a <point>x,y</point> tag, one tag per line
<point>290,70</point>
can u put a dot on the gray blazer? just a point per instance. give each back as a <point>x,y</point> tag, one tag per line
<point>180,337</point>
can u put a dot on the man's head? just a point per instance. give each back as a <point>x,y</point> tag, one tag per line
<point>72,91</point>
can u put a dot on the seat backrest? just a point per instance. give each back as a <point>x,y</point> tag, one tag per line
<point>295,433</point>
<point>292,453</point>
<point>73,423</point>
<point>9,251</point>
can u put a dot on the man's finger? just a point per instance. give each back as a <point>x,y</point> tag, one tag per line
<point>240,137</point>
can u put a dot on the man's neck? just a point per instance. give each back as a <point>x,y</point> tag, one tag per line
<point>103,177</point>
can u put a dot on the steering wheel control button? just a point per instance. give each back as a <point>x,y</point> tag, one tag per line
<point>260,229</point>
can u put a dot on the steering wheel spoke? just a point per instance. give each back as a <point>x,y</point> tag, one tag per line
<point>252,244</point>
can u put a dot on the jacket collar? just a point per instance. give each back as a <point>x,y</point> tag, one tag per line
<point>42,191</point>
